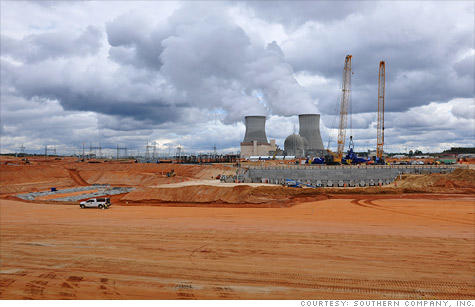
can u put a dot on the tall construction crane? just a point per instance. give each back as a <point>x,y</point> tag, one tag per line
<point>381,90</point>
<point>344,104</point>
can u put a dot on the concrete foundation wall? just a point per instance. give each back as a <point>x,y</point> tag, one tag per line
<point>337,175</point>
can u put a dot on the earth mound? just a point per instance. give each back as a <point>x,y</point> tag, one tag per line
<point>459,181</point>
<point>240,194</point>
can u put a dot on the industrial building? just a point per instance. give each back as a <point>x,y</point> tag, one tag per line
<point>307,143</point>
<point>294,145</point>
<point>255,140</point>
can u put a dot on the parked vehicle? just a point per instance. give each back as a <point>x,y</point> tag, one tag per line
<point>101,203</point>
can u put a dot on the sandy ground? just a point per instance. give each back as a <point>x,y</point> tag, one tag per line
<point>189,237</point>
<point>350,248</point>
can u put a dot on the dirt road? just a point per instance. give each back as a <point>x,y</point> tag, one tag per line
<point>336,248</point>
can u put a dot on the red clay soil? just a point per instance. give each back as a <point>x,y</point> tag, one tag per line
<point>282,196</point>
<point>337,248</point>
<point>148,174</point>
<point>66,172</point>
<point>77,177</point>
<point>215,194</point>
<point>30,178</point>
<point>42,174</point>
<point>459,181</point>
<point>329,243</point>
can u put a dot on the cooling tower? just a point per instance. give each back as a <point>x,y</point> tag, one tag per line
<point>255,129</point>
<point>309,129</point>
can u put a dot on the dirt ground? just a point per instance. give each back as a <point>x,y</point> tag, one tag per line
<point>336,248</point>
<point>186,237</point>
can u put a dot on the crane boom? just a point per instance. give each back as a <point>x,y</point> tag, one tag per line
<point>381,90</point>
<point>345,101</point>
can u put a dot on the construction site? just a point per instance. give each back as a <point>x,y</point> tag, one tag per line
<point>267,223</point>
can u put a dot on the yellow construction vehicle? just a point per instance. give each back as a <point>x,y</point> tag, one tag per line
<point>332,157</point>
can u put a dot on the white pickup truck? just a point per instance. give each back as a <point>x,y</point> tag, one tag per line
<point>101,203</point>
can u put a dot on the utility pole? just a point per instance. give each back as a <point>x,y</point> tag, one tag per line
<point>46,151</point>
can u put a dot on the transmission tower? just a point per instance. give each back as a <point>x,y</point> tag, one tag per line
<point>118,151</point>
<point>147,151</point>
<point>21,150</point>
<point>96,149</point>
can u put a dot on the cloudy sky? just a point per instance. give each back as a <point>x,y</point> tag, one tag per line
<point>185,73</point>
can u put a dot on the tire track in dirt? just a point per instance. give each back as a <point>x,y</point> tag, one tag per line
<point>4,284</point>
<point>76,177</point>
<point>369,203</point>
<point>387,287</point>
<point>460,221</point>
<point>36,286</point>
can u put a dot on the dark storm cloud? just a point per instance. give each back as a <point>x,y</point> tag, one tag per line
<point>210,60</point>
<point>189,76</point>
<point>419,43</point>
<point>199,56</point>
<point>38,47</point>
<point>135,42</point>
<point>126,99</point>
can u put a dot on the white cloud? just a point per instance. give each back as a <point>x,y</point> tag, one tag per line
<point>186,73</point>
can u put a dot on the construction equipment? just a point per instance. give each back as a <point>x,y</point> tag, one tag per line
<point>336,158</point>
<point>344,104</point>
<point>296,184</point>
<point>380,132</point>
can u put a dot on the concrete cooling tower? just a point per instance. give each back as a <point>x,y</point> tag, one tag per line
<point>255,140</point>
<point>255,129</point>
<point>309,130</point>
